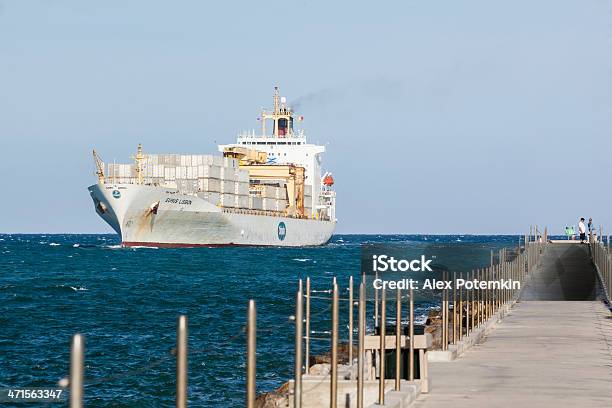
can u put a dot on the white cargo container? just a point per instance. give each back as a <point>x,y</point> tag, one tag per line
<point>210,171</point>
<point>242,201</point>
<point>308,202</point>
<point>228,187</point>
<point>187,186</point>
<point>151,159</point>
<point>256,203</point>
<point>230,162</point>
<point>241,188</point>
<point>217,161</point>
<point>281,205</point>
<point>228,200</point>
<point>228,173</point>
<point>181,172</point>
<point>271,192</point>
<point>242,176</point>
<point>169,173</point>
<point>209,184</point>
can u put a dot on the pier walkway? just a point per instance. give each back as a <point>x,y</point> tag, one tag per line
<point>544,353</point>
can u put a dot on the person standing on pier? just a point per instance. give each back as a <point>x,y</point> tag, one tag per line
<point>582,230</point>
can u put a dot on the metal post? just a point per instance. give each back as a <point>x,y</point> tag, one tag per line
<point>297,384</point>
<point>350,350</point>
<point>77,352</point>
<point>181,362</point>
<point>398,339</point>
<point>382,334</point>
<point>251,353</point>
<point>333,394</point>
<point>376,303</point>
<point>445,316</point>
<point>307,328</point>
<point>361,347</point>
<point>473,305</point>
<point>460,310</point>
<point>454,307</point>
<point>411,334</point>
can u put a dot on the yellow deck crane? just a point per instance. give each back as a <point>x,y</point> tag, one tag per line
<point>254,161</point>
<point>99,167</point>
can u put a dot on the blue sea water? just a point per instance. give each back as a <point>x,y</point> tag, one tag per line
<point>125,301</point>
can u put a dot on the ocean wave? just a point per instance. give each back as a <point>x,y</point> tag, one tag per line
<point>54,244</point>
<point>113,246</point>
<point>76,245</point>
<point>302,259</point>
<point>74,288</point>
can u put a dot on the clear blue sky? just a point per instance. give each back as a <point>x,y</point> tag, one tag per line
<point>440,117</point>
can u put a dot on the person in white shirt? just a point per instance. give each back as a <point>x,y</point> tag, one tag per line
<point>582,230</point>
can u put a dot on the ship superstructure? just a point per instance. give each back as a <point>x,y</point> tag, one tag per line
<point>265,189</point>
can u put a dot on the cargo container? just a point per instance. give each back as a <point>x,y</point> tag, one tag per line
<point>209,184</point>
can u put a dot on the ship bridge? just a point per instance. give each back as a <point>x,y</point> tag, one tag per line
<point>284,144</point>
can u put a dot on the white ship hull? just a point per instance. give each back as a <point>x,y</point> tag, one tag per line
<point>187,221</point>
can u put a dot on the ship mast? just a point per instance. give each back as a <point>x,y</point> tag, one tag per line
<point>138,159</point>
<point>281,115</point>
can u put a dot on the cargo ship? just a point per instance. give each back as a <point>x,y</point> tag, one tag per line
<point>266,189</point>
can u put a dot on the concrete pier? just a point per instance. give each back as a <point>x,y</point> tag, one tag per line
<point>566,272</point>
<point>544,353</point>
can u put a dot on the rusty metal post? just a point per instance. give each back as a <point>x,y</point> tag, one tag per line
<point>297,384</point>
<point>251,354</point>
<point>77,353</point>
<point>382,335</point>
<point>361,347</point>
<point>350,350</point>
<point>181,362</point>
<point>398,339</point>
<point>333,394</point>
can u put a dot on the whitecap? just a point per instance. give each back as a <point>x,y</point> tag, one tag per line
<point>77,289</point>
<point>54,244</point>
<point>76,245</point>
<point>113,246</point>
<point>301,259</point>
